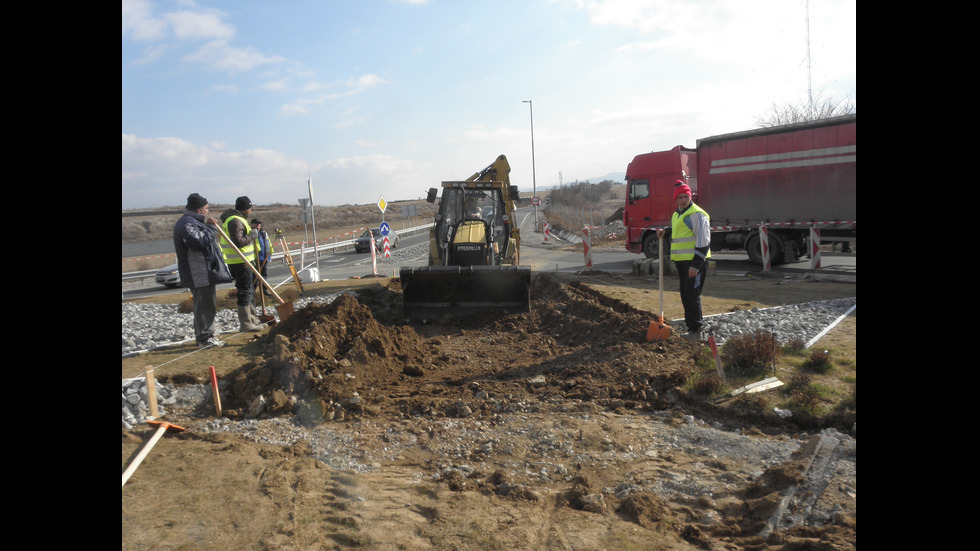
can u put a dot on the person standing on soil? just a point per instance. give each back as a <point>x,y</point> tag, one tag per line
<point>264,253</point>
<point>200,265</point>
<point>235,223</point>
<point>690,249</point>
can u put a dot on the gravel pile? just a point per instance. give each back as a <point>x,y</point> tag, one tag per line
<point>149,326</point>
<point>796,322</point>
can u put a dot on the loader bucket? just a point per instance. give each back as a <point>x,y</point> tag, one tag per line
<point>432,291</point>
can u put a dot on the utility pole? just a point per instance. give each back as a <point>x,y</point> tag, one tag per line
<point>316,248</point>
<point>534,179</point>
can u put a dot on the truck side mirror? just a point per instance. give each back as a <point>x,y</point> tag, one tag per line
<point>514,194</point>
<point>431,197</point>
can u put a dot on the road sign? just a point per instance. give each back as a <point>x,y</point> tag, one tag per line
<point>535,201</point>
<point>382,204</point>
<point>385,229</point>
<point>304,202</point>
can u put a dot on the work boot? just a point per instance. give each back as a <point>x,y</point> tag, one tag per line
<point>245,322</point>
<point>212,341</point>
<point>253,315</point>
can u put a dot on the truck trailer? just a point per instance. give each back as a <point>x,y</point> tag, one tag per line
<point>786,179</point>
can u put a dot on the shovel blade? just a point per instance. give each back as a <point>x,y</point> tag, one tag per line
<point>658,331</point>
<point>284,310</point>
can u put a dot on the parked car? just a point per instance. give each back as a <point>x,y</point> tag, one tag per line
<point>362,243</point>
<point>168,276</point>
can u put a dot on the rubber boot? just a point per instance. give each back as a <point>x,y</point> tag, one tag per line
<point>245,321</point>
<point>253,315</point>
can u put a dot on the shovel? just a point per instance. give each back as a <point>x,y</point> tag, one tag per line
<point>285,309</point>
<point>658,329</point>
<point>263,317</point>
<point>149,446</point>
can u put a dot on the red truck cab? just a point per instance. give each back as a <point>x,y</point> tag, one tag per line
<point>650,182</point>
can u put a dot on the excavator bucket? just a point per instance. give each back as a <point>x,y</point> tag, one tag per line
<point>432,291</point>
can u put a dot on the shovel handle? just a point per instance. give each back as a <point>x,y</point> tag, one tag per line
<point>660,265</point>
<point>146,449</point>
<point>250,265</point>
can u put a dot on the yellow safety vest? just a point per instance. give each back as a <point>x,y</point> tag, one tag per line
<point>682,239</point>
<point>227,251</point>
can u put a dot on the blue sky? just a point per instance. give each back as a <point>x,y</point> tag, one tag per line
<point>388,98</point>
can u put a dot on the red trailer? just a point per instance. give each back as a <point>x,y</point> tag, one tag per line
<point>788,178</point>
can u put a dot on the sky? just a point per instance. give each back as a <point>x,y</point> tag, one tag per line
<point>370,99</point>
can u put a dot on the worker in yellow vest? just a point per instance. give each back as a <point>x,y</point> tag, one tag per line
<point>690,249</point>
<point>235,223</point>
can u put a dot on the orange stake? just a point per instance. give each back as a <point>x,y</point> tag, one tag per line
<point>217,397</point>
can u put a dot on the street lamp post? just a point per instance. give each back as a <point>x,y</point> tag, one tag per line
<point>534,180</point>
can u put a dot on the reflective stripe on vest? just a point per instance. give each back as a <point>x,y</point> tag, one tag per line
<point>682,238</point>
<point>228,252</point>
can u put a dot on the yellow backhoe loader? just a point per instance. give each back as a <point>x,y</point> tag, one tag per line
<point>474,250</point>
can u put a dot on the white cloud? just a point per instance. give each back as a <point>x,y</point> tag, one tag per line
<point>219,55</point>
<point>139,24</point>
<point>199,25</point>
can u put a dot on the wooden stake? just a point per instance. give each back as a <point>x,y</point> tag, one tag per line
<point>151,392</point>
<point>214,389</point>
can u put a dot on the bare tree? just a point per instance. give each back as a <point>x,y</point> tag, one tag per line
<point>819,108</point>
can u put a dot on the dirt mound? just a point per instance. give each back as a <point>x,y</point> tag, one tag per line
<point>356,357</point>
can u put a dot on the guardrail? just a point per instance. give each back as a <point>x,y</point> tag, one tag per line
<point>304,250</point>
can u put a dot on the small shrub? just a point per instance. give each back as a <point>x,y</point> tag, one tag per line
<point>752,403</point>
<point>818,362</point>
<point>750,354</point>
<point>186,306</point>
<point>804,396</point>
<point>707,384</point>
<point>703,358</point>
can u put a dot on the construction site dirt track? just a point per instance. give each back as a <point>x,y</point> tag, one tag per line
<point>556,428</point>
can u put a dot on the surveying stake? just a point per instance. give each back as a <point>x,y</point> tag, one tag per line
<point>289,260</point>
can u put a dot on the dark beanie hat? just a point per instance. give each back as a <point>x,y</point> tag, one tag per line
<point>256,221</point>
<point>243,203</point>
<point>195,201</point>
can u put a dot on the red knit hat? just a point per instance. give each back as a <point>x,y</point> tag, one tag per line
<point>680,187</point>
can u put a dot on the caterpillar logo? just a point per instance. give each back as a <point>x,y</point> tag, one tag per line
<point>468,247</point>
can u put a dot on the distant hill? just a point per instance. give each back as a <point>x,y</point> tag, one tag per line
<point>616,177</point>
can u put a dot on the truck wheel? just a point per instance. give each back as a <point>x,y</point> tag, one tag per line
<point>754,248</point>
<point>650,246</point>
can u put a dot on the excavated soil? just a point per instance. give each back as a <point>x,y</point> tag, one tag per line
<point>556,428</point>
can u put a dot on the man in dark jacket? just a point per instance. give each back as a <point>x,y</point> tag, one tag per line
<point>200,265</point>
